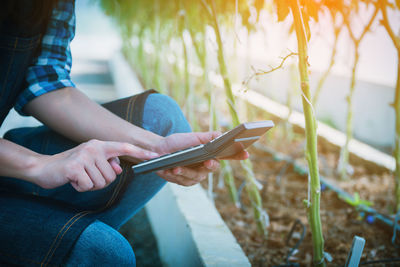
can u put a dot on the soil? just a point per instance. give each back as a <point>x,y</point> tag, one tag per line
<point>284,190</point>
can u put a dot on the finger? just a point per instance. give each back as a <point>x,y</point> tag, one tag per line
<point>96,177</point>
<point>198,174</point>
<point>205,137</point>
<point>242,155</point>
<point>211,165</point>
<point>115,149</point>
<point>106,170</point>
<point>176,179</point>
<point>193,139</point>
<point>115,164</point>
<point>82,183</point>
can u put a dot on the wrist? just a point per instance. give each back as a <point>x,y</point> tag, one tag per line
<point>150,141</point>
<point>32,168</point>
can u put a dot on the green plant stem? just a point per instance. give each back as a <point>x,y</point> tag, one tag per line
<point>141,58</point>
<point>251,185</point>
<point>230,181</point>
<point>344,153</point>
<point>383,4</point>
<point>311,134</point>
<point>188,94</point>
<point>397,137</point>
<point>328,70</point>
<point>223,70</point>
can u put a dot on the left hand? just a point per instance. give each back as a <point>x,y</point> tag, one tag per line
<point>190,176</point>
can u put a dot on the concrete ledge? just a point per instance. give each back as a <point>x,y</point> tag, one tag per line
<point>190,231</point>
<point>188,228</point>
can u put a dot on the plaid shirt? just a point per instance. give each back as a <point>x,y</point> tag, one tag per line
<point>50,70</point>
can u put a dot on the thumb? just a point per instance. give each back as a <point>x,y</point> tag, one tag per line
<point>205,137</point>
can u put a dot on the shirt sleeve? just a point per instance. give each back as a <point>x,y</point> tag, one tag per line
<point>50,70</point>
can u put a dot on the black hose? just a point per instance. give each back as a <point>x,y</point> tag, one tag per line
<point>381,261</point>
<point>296,246</point>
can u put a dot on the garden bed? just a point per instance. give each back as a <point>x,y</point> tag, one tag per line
<point>283,193</point>
<point>285,188</point>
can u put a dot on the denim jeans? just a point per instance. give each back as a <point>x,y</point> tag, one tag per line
<point>100,244</point>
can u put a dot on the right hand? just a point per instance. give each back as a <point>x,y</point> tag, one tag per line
<point>90,166</point>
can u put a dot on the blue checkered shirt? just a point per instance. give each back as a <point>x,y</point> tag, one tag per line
<point>50,70</point>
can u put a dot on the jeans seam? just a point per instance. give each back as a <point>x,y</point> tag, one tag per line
<point>80,214</point>
<point>59,232</point>
<point>84,213</point>
<point>117,189</point>
<point>128,113</point>
<point>59,241</point>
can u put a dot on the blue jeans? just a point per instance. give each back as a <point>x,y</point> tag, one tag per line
<point>100,244</point>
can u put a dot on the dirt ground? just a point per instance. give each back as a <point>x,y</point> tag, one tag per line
<point>284,190</point>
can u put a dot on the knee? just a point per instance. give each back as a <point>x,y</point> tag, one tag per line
<point>162,115</point>
<point>101,245</point>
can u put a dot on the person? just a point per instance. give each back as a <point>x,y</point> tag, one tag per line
<point>64,191</point>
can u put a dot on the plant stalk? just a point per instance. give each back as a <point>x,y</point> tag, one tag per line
<point>311,134</point>
<point>344,153</point>
<point>383,4</point>
<point>325,75</point>
<point>251,184</point>
<point>188,93</point>
<point>397,137</point>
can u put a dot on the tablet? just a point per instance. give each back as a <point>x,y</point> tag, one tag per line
<point>225,145</point>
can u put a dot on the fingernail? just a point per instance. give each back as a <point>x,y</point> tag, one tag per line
<point>117,160</point>
<point>178,171</point>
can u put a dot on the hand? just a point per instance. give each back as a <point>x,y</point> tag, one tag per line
<point>189,176</point>
<point>90,166</point>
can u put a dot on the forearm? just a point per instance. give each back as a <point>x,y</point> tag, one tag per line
<point>17,161</point>
<point>74,115</point>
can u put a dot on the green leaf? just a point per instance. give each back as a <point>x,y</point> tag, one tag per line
<point>356,197</point>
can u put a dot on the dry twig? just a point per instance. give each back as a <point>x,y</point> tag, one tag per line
<point>263,72</point>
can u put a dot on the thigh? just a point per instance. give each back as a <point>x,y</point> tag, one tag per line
<point>101,245</point>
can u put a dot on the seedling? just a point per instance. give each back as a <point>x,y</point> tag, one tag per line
<point>356,201</point>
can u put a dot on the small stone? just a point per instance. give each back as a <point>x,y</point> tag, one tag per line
<point>372,253</point>
<point>240,223</point>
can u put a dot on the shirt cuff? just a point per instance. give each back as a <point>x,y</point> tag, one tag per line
<point>38,89</point>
